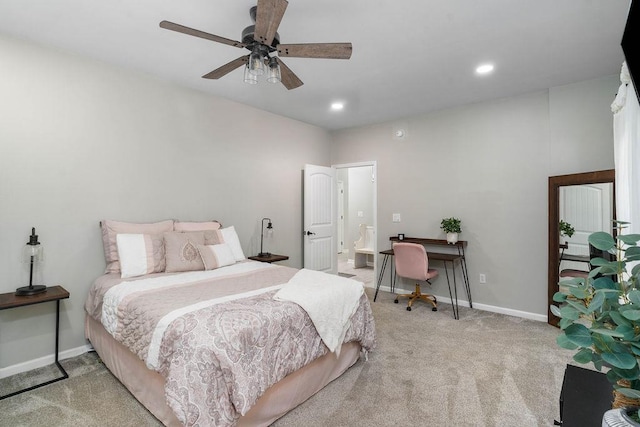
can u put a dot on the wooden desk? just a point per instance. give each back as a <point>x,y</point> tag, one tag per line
<point>434,256</point>
<point>53,293</point>
<point>459,246</point>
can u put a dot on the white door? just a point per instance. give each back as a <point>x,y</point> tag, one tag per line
<point>588,208</point>
<point>320,213</point>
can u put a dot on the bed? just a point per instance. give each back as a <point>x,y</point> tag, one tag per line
<point>226,342</point>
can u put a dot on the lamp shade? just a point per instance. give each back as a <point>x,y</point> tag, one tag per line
<point>256,65</point>
<point>249,77</point>
<point>273,75</point>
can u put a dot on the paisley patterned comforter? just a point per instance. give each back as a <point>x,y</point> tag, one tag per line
<point>218,337</point>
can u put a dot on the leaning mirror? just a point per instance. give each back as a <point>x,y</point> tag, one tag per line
<point>583,203</point>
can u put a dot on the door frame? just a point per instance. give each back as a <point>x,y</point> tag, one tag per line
<point>374,167</point>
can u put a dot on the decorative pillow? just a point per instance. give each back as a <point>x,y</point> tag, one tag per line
<point>111,228</point>
<point>216,256</point>
<point>140,254</point>
<point>196,226</point>
<point>230,237</point>
<point>182,251</point>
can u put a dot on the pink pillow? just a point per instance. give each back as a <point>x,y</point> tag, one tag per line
<point>181,250</point>
<point>112,228</point>
<point>196,226</point>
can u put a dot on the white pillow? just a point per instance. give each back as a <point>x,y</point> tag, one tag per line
<point>216,256</point>
<point>230,237</point>
<point>135,252</point>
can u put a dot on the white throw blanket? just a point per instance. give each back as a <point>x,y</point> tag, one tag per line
<point>329,300</point>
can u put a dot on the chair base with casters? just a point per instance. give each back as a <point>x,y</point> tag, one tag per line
<point>417,295</point>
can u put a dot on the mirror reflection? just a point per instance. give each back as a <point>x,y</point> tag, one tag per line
<point>585,203</point>
<point>583,210</point>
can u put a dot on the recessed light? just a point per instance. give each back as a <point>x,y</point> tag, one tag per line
<point>337,106</point>
<point>484,69</point>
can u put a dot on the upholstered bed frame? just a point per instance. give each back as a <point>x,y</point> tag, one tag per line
<point>148,386</point>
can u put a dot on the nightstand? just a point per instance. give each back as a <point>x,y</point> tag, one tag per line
<point>271,258</point>
<point>53,293</point>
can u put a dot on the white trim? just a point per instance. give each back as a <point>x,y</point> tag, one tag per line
<point>483,307</point>
<point>43,361</point>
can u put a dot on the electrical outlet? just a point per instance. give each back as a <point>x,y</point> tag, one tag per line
<point>396,217</point>
<point>483,278</point>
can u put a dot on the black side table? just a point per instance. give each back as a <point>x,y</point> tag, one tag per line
<point>586,395</point>
<point>53,293</point>
<point>271,258</point>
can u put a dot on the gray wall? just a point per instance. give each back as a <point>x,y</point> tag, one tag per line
<point>81,141</point>
<point>488,164</point>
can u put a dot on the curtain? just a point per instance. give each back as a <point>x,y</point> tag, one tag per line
<point>626,137</point>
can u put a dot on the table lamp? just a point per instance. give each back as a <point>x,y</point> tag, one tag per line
<point>269,229</point>
<point>33,255</point>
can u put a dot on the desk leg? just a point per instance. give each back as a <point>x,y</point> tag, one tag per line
<point>382,269</point>
<point>454,302</point>
<point>465,277</point>
<point>392,279</point>
<point>62,371</point>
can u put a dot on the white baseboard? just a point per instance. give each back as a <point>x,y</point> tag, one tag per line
<point>43,361</point>
<point>483,307</point>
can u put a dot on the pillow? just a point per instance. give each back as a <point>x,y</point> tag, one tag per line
<point>182,251</point>
<point>216,256</point>
<point>111,228</point>
<point>230,237</point>
<point>196,226</point>
<point>140,254</point>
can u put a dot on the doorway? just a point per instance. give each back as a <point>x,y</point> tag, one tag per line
<point>357,220</point>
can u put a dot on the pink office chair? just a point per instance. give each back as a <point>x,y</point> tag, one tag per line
<point>412,263</point>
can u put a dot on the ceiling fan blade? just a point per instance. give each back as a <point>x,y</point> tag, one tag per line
<point>268,16</point>
<point>227,68</point>
<point>288,78</point>
<point>316,50</point>
<point>197,33</point>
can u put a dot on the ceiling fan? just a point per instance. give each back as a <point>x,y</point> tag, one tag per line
<point>263,41</point>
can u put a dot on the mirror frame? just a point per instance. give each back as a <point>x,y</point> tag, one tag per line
<point>555,182</point>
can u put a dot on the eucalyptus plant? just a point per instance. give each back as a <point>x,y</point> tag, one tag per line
<point>451,225</point>
<point>600,315</point>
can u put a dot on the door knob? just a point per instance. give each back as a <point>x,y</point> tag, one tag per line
<point>308,233</point>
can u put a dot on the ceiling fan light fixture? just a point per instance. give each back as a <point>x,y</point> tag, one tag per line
<point>273,75</point>
<point>249,77</point>
<point>256,65</point>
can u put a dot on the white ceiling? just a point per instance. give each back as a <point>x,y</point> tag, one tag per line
<point>409,57</point>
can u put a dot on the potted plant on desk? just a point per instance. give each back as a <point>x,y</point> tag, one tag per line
<point>566,229</point>
<point>451,226</point>
<point>600,314</point>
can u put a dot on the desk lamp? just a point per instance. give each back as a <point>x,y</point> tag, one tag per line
<point>270,230</point>
<point>32,254</point>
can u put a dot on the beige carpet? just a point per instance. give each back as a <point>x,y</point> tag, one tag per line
<point>428,370</point>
